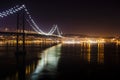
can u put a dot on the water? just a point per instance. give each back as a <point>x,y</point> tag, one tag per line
<point>61,62</point>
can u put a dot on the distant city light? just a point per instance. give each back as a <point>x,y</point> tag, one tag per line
<point>71,42</point>
<point>78,41</point>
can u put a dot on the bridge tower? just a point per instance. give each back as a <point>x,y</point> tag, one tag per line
<point>20,54</point>
<point>20,24</point>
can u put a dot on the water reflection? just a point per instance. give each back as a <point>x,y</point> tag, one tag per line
<point>92,53</point>
<point>100,53</point>
<point>61,62</point>
<point>23,72</point>
<point>89,61</point>
<point>95,53</point>
<point>46,67</point>
<point>19,67</point>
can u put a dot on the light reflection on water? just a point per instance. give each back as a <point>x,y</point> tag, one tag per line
<point>68,60</point>
<point>92,53</point>
<point>100,53</point>
<point>48,63</point>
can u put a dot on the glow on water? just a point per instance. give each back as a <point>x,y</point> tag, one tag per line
<point>49,60</point>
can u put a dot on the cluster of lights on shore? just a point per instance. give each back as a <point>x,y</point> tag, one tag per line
<point>31,22</point>
<point>84,41</point>
<point>90,40</point>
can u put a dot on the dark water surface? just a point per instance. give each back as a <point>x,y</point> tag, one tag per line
<point>61,62</point>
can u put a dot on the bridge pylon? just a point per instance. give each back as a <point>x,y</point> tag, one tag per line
<point>20,25</point>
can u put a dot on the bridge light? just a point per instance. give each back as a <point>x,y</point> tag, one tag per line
<point>7,12</point>
<point>11,12</point>
<point>16,10</point>
<point>1,16</point>
<point>6,29</point>
<point>19,8</point>
<point>23,6</point>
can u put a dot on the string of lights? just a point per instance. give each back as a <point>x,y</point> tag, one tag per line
<point>33,26</point>
<point>56,28</point>
<point>58,32</point>
<point>51,30</point>
<point>31,22</point>
<point>11,11</point>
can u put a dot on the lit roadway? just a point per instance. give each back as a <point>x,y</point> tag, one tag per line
<point>27,34</point>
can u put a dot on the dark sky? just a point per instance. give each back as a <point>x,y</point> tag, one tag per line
<point>93,17</point>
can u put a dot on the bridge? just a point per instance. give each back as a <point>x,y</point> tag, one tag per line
<point>26,17</point>
<point>20,34</point>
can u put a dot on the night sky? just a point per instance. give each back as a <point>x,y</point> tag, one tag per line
<point>92,17</point>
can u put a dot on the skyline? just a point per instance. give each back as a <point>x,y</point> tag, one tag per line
<point>84,17</point>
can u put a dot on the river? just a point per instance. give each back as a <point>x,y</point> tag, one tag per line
<point>61,62</point>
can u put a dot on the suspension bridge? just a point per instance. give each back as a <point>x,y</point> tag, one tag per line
<point>29,20</point>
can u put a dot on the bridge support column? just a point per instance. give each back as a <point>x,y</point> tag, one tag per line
<point>20,49</point>
<point>17,39</point>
